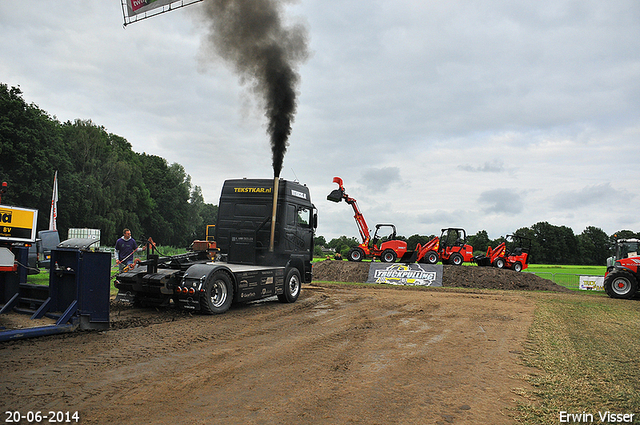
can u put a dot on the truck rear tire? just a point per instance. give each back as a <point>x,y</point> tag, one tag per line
<point>292,287</point>
<point>621,284</point>
<point>388,256</point>
<point>218,293</point>
<point>517,266</point>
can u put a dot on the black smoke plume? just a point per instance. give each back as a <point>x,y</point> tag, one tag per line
<point>251,36</point>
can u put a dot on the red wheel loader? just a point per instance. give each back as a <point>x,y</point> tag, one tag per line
<point>451,247</point>
<point>388,251</point>
<point>513,253</point>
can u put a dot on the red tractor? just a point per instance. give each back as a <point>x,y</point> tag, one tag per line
<point>450,247</point>
<point>513,253</point>
<point>623,270</point>
<point>387,252</point>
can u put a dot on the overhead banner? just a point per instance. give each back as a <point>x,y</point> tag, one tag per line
<point>135,7</point>
<point>18,224</point>
<point>135,10</point>
<point>415,274</point>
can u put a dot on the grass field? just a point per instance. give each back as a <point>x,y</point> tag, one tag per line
<point>585,352</point>
<point>580,270</point>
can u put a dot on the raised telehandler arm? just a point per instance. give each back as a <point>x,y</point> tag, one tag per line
<point>338,195</point>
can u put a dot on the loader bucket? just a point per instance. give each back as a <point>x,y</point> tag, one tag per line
<point>335,196</point>
<point>482,260</point>
<point>409,257</point>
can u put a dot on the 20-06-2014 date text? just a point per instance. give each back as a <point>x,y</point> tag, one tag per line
<point>36,417</point>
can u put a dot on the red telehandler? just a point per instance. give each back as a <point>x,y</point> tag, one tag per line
<point>450,248</point>
<point>513,253</point>
<point>388,251</point>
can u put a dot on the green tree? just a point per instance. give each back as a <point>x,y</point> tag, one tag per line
<point>31,150</point>
<point>480,241</point>
<point>342,243</point>
<point>593,246</point>
<point>319,241</point>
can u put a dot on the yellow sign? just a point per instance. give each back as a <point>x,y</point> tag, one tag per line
<point>18,224</point>
<point>252,189</point>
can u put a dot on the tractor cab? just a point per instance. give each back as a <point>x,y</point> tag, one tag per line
<point>624,248</point>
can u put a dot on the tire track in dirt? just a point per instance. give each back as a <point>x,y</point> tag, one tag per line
<point>338,355</point>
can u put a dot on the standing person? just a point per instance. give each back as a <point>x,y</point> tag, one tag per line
<point>125,246</point>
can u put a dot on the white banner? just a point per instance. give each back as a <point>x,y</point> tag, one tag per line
<point>592,283</point>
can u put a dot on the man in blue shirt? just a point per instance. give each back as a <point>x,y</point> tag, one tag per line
<point>125,246</point>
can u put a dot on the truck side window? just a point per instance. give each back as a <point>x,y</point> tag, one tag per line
<point>291,215</point>
<point>304,217</point>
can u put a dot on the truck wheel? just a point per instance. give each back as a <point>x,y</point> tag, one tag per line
<point>388,256</point>
<point>499,263</point>
<point>356,254</point>
<point>218,293</point>
<point>621,284</point>
<point>456,259</point>
<point>292,286</point>
<point>517,266</point>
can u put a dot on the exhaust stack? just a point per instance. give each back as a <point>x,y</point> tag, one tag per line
<point>276,183</point>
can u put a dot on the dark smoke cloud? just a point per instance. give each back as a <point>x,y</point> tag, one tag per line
<point>250,35</point>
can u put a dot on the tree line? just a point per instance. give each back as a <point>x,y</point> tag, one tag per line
<point>549,244</point>
<point>103,184</point>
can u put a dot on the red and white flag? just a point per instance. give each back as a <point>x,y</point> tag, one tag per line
<point>54,204</point>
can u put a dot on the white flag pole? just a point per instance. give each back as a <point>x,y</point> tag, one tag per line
<point>54,204</point>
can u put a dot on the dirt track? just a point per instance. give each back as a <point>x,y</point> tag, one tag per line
<point>340,354</point>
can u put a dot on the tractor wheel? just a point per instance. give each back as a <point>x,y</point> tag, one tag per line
<point>292,286</point>
<point>517,266</point>
<point>388,256</point>
<point>431,257</point>
<point>218,293</point>
<point>499,263</point>
<point>621,284</point>
<point>456,259</point>
<point>356,254</point>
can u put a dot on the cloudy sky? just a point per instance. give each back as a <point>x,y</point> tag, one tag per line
<point>484,115</point>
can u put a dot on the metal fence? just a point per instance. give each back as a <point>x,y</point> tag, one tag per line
<point>571,281</point>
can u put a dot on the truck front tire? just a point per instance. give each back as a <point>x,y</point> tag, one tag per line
<point>292,287</point>
<point>218,293</point>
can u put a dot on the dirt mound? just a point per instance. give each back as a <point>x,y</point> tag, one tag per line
<point>452,276</point>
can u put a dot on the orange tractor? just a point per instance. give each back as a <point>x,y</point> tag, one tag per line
<point>388,251</point>
<point>450,248</point>
<point>513,253</point>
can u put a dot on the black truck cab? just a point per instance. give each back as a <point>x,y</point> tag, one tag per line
<point>249,269</point>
